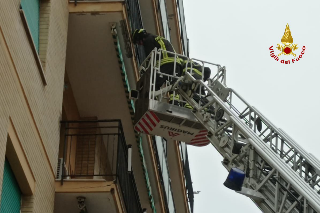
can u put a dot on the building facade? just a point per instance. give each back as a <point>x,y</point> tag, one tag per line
<point>66,120</point>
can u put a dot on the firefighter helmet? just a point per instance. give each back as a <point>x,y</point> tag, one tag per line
<point>138,35</point>
<point>207,73</point>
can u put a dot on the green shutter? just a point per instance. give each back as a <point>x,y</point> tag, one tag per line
<point>11,194</point>
<point>31,9</point>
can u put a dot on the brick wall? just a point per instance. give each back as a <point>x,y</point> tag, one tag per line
<point>44,30</point>
<point>34,109</point>
<point>86,146</point>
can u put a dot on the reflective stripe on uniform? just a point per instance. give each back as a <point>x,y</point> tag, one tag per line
<point>166,59</point>
<point>177,97</point>
<point>163,46</point>
<point>137,32</point>
<point>188,106</point>
<point>194,70</point>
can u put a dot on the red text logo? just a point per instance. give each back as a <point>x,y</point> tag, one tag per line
<point>173,134</point>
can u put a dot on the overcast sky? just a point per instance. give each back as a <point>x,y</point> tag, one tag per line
<point>238,34</point>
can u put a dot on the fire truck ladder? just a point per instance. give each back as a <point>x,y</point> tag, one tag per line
<point>280,176</point>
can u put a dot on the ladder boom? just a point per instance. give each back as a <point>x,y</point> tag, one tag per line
<point>287,177</point>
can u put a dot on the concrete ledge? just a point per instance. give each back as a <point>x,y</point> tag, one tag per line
<point>19,162</point>
<point>95,7</point>
<point>84,186</point>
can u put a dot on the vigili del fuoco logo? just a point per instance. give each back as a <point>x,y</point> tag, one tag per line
<point>287,49</point>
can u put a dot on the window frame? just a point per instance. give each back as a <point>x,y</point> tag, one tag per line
<point>33,47</point>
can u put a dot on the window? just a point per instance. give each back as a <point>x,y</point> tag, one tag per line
<point>35,18</point>
<point>11,193</point>
<point>31,9</point>
<point>161,145</point>
<point>164,17</point>
<point>44,19</point>
<point>18,181</point>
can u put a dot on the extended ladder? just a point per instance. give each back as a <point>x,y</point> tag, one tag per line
<point>281,176</point>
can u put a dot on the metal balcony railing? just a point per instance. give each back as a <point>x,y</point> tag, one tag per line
<point>189,187</point>
<point>187,174</point>
<point>96,149</point>
<point>159,150</point>
<point>182,26</point>
<point>135,20</point>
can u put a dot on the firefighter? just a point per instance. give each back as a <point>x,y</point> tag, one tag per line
<point>149,42</point>
<point>196,70</point>
<point>197,74</point>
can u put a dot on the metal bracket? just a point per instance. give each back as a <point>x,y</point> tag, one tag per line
<point>256,196</point>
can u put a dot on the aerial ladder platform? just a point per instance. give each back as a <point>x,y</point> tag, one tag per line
<point>280,176</point>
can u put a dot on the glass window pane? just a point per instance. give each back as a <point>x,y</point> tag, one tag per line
<point>31,9</point>
<point>164,18</point>
<point>161,145</point>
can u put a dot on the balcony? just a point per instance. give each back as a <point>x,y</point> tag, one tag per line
<point>99,76</point>
<point>113,8</point>
<point>94,165</point>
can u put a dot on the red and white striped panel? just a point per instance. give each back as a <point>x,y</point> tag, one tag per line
<point>200,139</point>
<point>147,123</point>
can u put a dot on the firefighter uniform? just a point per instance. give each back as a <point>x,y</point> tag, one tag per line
<point>196,70</point>
<point>167,59</point>
<point>197,74</point>
<point>149,42</point>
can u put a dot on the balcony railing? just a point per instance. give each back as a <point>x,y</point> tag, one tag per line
<point>188,180</point>
<point>187,174</point>
<point>182,26</point>
<point>135,21</point>
<point>159,149</point>
<point>96,149</point>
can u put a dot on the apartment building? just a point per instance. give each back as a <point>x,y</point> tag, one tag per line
<point>67,142</point>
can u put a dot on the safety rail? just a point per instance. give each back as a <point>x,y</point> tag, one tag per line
<point>262,163</point>
<point>76,1</point>
<point>151,63</point>
<point>96,149</point>
<point>276,167</point>
<point>287,149</point>
<point>188,180</point>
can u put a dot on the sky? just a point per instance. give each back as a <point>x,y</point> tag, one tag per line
<point>238,34</point>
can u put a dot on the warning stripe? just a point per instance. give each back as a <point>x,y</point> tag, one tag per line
<point>200,145</point>
<point>146,123</point>
<point>195,142</point>
<point>150,119</point>
<point>200,142</point>
<point>137,128</point>
<point>199,139</point>
<point>155,116</point>
<point>200,135</point>
<point>144,129</point>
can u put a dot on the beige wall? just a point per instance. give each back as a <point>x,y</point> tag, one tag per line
<point>34,109</point>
